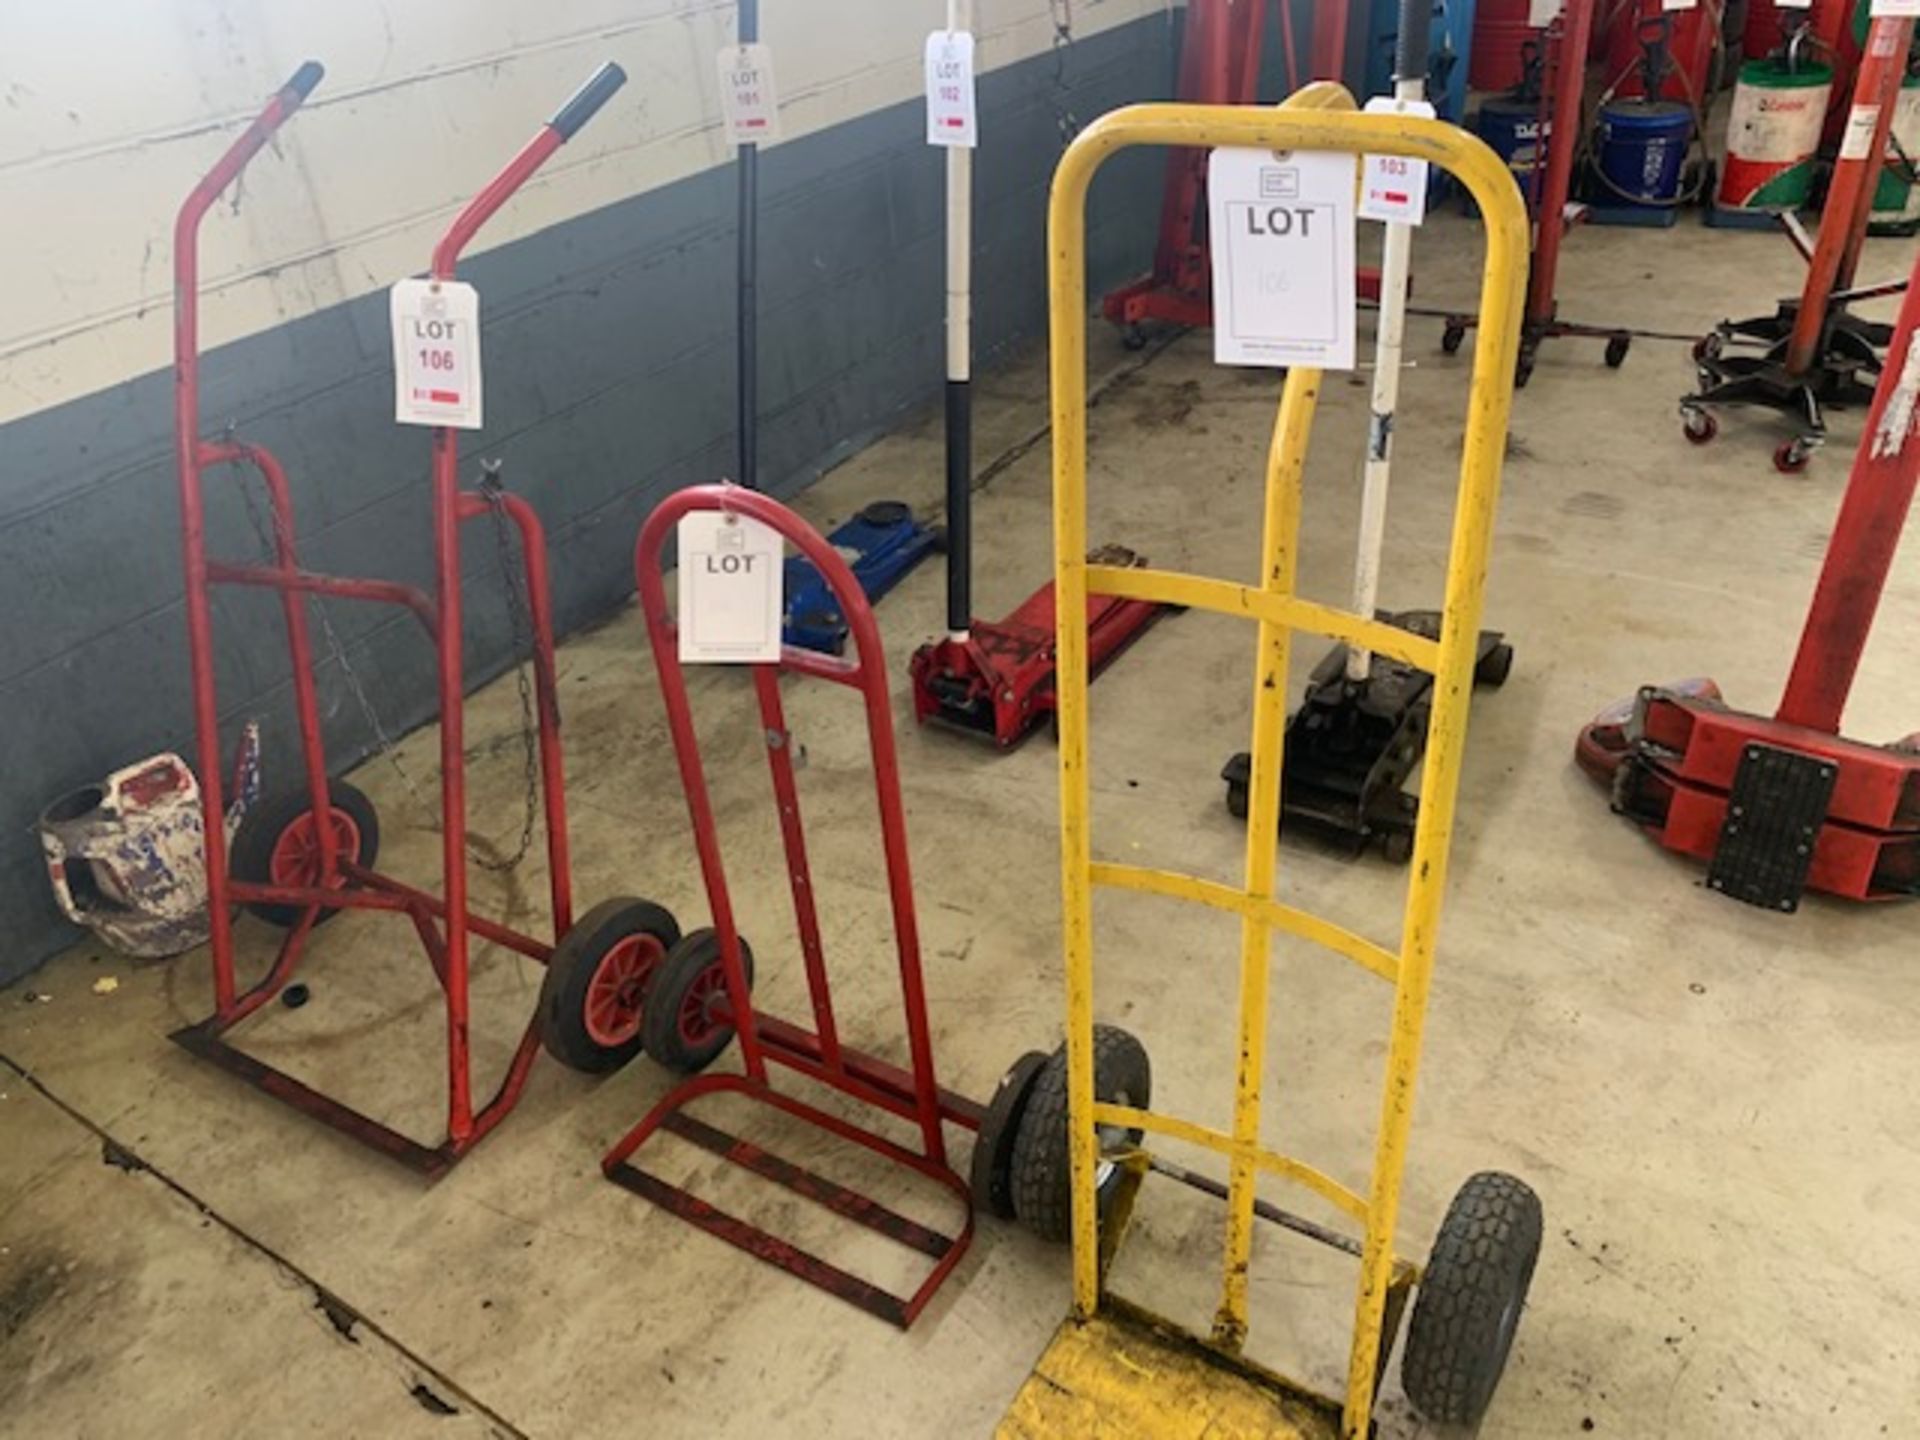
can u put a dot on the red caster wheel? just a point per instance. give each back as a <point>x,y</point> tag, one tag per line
<point>278,844</point>
<point>1699,425</point>
<point>1790,457</point>
<point>686,1025</point>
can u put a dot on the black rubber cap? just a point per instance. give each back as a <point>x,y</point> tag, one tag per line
<point>304,79</point>
<point>588,99</point>
<point>1410,46</point>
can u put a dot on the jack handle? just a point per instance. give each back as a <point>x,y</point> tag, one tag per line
<point>568,119</point>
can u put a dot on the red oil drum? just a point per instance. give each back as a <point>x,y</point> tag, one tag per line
<point>1691,36</point>
<point>1500,28</point>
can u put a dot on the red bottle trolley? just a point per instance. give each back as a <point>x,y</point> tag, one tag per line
<point>700,996</point>
<point>297,873</point>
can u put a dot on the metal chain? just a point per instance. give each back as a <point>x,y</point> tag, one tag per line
<point>1060,12</point>
<point>385,745</point>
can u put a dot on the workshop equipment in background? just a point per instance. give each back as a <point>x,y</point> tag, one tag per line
<point>1780,805</point>
<point>995,678</point>
<point>701,996</point>
<point>1813,353</point>
<point>1896,198</point>
<point>1692,39</point>
<point>1773,136</point>
<point>1563,76</point>
<point>1077,1160</point>
<point>884,541</point>
<point>1646,123</point>
<point>1362,725</point>
<point>1518,124</point>
<point>1502,29</point>
<point>1450,35</point>
<point>1219,65</point>
<point>127,857</point>
<point>285,866</point>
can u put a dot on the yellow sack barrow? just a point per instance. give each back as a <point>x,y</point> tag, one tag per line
<point>1062,1148</point>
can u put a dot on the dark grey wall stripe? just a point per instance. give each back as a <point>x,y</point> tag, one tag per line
<point>609,376</point>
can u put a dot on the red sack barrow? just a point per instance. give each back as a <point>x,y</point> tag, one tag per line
<point>700,996</point>
<point>296,873</point>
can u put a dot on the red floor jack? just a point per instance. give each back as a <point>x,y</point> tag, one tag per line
<point>995,678</point>
<point>700,997</point>
<point>1812,353</point>
<point>286,868</point>
<point>1777,806</point>
<point>1562,83</point>
<point>1219,65</point>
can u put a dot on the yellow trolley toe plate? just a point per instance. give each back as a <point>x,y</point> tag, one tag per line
<point>1122,1374</point>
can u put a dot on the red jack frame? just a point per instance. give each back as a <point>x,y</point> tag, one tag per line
<point>1784,804</point>
<point>702,992</point>
<point>307,876</point>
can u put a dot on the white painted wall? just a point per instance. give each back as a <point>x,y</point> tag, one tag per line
<point>111,109</point>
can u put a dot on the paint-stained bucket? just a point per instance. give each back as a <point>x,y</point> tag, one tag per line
<point>1896,199</point>
<point>1772,136</point>
<point>1642,148</point>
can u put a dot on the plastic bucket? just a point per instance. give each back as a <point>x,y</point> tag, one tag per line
<point>1642,147</point>
<point>1517,132</point>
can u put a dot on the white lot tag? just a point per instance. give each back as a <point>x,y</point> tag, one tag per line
<point>747,96</point>
<point>1392,187</point>
<point>436,353</point>
<point>1894,9</point>
<point>730,582</point>
<point>1856,141</point>
<point>1671,5</point>
<point>1541,13</point>
<point>1793,4</point>
<point>1282,226</point>
<point>951,116</point>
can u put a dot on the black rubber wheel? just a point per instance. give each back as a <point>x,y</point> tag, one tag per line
<point>594,994</point>
<point>1494,667</point>
<point>678,1025</point>
<point>1700,426</point>
<point>1617,349</point>
<point>1468,1306</point>
<point>887,512</point>
<point>1040,1179</point>
<point>1522,372</point>
<point>278,844</point>
<point>1237,801</point>
<point>1452,338</point>
<point>990,1176</point>
<point>1133,337</point>
<point>1397,846</point>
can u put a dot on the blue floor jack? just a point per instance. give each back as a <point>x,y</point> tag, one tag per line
<point>884,541</point>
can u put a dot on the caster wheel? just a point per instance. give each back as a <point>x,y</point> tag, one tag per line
<point>1617,348</point>
<point>278,844</point>
<point>681,1023</point>
<point>1133,337</point>
<point>1397,846</point>
<point>1452,338</point>
<point>1522,372</point>
<point>1237,801</point>
<point>1699,425</point>
<point>1708,346</point>
<point>1790,457</point>
<point>595,990</point>
<point>1038,1172</point>
<point>1468,1306</point>
<point>1494,667</point>
<point>990,1176</point>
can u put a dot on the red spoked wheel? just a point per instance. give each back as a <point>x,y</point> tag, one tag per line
<point>688,1021</point>
<point>278,843</point>
<point>598,981</point>
<point>1790,457</point>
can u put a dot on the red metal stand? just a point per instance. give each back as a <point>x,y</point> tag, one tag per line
<point>310,875</point>
<point>720,996</point>
<point>1776,805</point>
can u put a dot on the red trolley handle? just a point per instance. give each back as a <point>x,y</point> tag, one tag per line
<point>564,125</point>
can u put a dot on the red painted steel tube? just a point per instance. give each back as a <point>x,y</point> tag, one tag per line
<point>1850,193</point>
<point>1329,57</point>
<point>1567,40</point>
<point>387,592</point>
<point>1866,534</point>
<point>193,523</point>
<point>871,672</point>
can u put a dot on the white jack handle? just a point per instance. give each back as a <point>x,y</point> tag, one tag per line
<point>1395,265</point>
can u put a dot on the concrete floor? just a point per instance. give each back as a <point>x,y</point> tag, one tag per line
<point>1712,1101</point>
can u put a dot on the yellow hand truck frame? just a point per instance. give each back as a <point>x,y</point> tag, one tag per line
<point>1074,1391</point>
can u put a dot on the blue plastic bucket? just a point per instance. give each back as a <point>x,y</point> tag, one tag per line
<point>1642,146</point>
<point>1515,131</point>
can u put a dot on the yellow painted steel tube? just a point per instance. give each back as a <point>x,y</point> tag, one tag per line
<point>1298,127</point>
